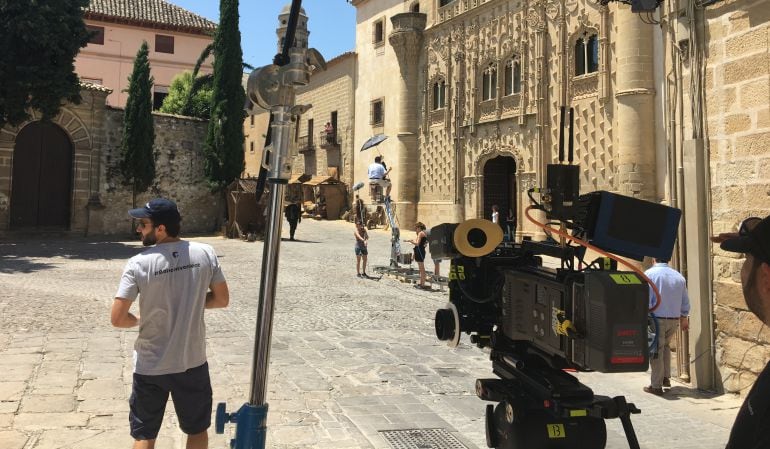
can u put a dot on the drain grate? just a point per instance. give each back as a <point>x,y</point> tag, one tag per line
<point>422,439</point>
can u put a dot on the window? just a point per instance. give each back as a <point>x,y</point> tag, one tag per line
<point>587,54</point>
<point>512,76</point>
<point>164,44</point>
<point>251,146</point>
<point>489,83</point>
<point>439,94</point>
<point>444,2</point>
<point>377,113</point>
<point>378,34</point>
<point>97,35</point>
<point>310,132</point>
<point>160,93</point>
<point>415,7</point>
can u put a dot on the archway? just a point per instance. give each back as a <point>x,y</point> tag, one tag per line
<point>42,178</point>
<point>500,187</point>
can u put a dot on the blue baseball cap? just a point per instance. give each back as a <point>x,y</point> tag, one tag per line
<point>159,210</point>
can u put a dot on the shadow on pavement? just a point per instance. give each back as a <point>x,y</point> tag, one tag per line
<point>680,392</point>
<point>19,257</point>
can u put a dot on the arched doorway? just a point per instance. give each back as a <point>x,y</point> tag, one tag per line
<point>42,178</point>
<point>500,187</point>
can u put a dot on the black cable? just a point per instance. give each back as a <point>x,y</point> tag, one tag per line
<point>282,58</point>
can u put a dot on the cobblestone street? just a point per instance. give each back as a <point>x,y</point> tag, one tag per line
<point>350,357</point>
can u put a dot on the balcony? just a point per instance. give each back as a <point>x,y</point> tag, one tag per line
<point>328,140</point>
<point>305,144</point>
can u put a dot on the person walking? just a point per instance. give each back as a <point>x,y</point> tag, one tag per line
<point>174,280</point>
<point>670,314</point>
<point>362,242</point>
<point>420,242</point>
<point>753,239</point>
<point>293,216</point>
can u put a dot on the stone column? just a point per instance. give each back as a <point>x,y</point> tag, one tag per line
<point>406,39</point>
<point>635,99</point>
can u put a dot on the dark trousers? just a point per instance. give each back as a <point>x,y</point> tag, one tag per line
<point>292,228</point>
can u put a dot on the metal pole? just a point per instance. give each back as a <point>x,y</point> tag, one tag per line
<point>281,136</point>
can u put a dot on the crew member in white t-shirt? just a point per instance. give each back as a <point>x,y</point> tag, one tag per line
<point>378,173</point>
<point>174,280</point>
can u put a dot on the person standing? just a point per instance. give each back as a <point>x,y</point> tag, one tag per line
<point>420,242</point>
<point>671,313</point>
<point>293,216</point>
<point>753,239</point>
<point>361,249</point>
<point>174,280</point>
<point>510,225</point>
<point>495,214</point>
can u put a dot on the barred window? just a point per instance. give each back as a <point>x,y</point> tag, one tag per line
<point>489,83</point>
<point>377,113</point>
<point>378,33</point>
<point>439,95</point>
<point>587,54</point>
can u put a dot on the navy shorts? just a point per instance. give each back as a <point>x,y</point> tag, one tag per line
<point>362,251</point>
<point>190,391</point>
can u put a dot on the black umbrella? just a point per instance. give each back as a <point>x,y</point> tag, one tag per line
<point>373,141</point>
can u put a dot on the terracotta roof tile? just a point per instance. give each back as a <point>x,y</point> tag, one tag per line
<point>152,13</point>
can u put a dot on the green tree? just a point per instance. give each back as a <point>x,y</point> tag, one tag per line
<point>180,102</point>
<point>224,142</point>
<point>137,162</point>
<point>40,39</point>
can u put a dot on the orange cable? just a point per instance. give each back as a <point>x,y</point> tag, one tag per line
<point>600,251</point>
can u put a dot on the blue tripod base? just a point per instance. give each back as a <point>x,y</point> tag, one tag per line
<point>251,425</point>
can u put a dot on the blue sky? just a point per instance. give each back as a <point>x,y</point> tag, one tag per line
<point>332,25</point>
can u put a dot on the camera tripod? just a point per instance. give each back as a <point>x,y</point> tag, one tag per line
<point>541,407</point>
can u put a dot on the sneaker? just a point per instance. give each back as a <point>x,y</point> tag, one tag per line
<point>653,390</point>
<point>358,275</point>
<point>667,382</point>
<point>364,275</point>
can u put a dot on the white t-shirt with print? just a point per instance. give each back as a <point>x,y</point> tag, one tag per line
<point>171,281</point>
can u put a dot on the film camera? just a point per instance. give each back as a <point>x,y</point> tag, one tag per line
<point>539,322</point>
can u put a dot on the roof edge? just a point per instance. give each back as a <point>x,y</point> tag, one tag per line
<point>90,15</point>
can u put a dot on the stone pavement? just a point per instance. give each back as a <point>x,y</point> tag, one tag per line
<point>351,358</point>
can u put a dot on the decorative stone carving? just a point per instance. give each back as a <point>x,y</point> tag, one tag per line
<point>584,86</point>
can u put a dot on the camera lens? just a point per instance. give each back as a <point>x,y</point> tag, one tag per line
<point>477,238</point>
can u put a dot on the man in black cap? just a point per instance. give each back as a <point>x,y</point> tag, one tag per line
<point>175,281</point>
<point>753,239</point>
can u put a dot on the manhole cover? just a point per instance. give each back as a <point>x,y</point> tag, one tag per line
<point>421,439</point>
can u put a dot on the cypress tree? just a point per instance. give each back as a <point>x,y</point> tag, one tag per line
<point>137,162</point>
<point>224,142</point>
<point>40,39</point>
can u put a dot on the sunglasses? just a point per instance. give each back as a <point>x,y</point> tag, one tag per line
<point>143,224</point>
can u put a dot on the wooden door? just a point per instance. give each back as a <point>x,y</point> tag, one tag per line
<point>42,178</point>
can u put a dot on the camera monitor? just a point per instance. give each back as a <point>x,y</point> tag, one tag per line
<point>631,227</point>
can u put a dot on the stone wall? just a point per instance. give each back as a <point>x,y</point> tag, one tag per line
<point>178,175</point>
<point>99,200</point>
<point>738,106</point>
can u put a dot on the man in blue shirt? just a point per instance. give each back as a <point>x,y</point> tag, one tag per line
<point>377,175</point>
<point>670,314</point>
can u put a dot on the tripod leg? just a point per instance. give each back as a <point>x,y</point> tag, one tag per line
<point>628,428</point>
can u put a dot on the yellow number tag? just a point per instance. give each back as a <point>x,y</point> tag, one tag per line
<point>556,431</point>
<point>625,279</point>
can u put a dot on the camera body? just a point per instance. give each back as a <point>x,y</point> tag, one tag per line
<point>591,320</point>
